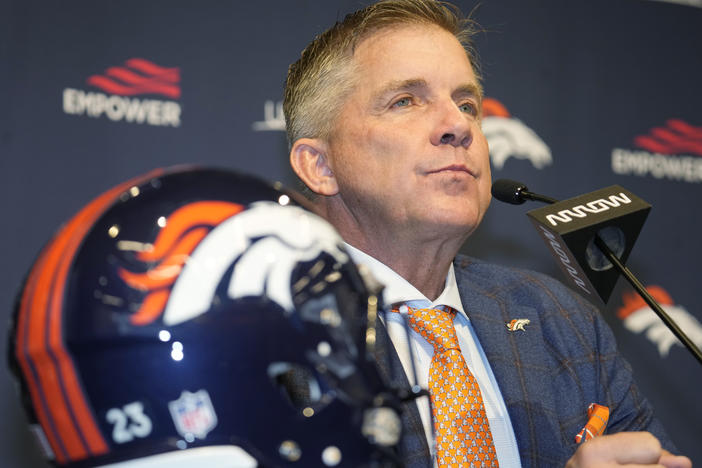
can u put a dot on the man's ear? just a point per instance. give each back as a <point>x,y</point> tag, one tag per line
<point>308,158</point>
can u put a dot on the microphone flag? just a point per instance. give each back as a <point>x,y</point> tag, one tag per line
<point>569,228</point>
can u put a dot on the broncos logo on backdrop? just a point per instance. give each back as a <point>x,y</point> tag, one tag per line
<point>510,137</point>
<point>638,317</point>
<point>263,242</point>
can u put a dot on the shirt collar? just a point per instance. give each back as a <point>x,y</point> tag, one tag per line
<point>397,289</point>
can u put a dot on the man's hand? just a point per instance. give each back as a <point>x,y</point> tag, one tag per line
<point>625,449</point>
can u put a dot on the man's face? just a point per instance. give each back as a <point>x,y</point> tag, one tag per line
<point>407,150</point>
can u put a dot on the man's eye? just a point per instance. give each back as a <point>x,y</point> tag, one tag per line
<point>468,108</point>
<point>403,102</point>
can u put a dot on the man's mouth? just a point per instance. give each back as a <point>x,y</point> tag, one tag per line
<point>453,168</point>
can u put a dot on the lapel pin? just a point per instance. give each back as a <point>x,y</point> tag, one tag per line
<point>517,324</point>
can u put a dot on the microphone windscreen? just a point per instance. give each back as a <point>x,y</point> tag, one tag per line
<point>508,191</point>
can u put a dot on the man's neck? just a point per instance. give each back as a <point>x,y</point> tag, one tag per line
<point>422,258</point>
<point>423,268</point>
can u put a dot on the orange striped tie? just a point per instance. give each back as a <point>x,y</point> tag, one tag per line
<point>463,436</point>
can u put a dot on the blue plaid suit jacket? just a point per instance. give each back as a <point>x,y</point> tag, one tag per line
<point>548,374</point>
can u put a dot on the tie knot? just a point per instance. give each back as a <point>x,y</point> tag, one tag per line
<point>435,326</point>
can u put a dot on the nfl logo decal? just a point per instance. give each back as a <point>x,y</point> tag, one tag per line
<point>193,414</point>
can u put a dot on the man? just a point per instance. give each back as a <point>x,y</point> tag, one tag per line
<point>383,117</point>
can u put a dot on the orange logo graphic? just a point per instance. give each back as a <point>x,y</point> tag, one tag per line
<point>184,230</point>
<point>638,317</point>
<point>517,324</point>
<point>509,137</point>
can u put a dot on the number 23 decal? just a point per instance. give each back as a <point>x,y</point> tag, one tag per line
<point>129,422</point>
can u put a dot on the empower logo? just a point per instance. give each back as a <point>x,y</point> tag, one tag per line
<point>508,137</point>
<point>673,152</point>
<point>138,76</point>
<point>595,206</point>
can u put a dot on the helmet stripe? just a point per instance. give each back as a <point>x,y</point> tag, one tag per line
<point>29,370</point>
<point>68,420</point>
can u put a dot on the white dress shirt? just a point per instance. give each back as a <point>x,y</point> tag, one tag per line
<point>398,290</point>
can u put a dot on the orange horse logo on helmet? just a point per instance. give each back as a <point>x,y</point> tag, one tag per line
<point>183,231</point>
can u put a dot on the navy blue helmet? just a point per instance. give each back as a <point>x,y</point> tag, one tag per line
<point>200,317</point>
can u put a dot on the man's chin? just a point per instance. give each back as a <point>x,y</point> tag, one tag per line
<point>450,227</point>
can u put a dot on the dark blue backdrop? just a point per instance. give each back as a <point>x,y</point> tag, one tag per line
<point>593,93</point>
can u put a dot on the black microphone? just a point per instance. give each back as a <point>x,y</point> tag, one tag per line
<point>516,193</point>
<point>604,223</point>
<point>568,231</point>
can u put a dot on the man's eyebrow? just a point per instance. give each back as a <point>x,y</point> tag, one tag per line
<point>394,86</point>
<point>414,84</point>
<point>470,89</point>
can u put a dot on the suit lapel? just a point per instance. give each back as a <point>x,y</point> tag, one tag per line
<point>518,360</point>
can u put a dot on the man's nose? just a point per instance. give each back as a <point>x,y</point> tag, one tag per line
<point>453,126</point>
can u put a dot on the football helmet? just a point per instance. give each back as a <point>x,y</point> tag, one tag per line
<point>201,317</point>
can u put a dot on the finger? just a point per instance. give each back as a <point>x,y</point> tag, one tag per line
<point>641,466</point>
<point>668,460</point>
<point>619,449</point>
<point>635,448</point>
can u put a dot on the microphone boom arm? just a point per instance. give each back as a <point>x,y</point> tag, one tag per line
<point>536,197</point>
<point>662,314</point>
<point>517,193</point>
